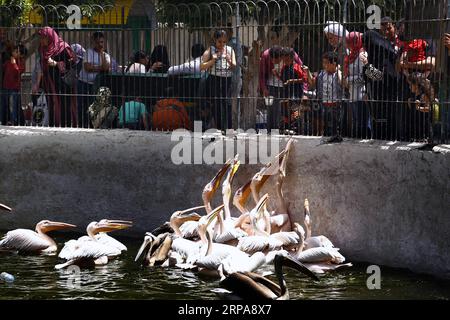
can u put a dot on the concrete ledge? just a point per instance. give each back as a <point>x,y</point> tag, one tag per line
<point>381,202</point>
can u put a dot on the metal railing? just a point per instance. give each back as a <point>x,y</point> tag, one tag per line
<point>389,89</point>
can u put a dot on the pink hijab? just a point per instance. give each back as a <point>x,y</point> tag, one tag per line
<point>355,45</point>
<point>55,44</point>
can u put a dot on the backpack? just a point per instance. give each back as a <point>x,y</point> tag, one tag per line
<point>101,113</point>
<point>40,113</point>
<point>170,114</point>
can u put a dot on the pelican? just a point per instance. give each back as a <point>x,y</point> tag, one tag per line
<point>210,189</point>
<point>320,259</point>
<point>280,221</point>
<point>5,208</point>
<point>260,241</point>
<point>28,241</point>
<point>248,285</point>
<point>227,228</point>
<point>213,254</point>
<point>92,250</point>
<point>316,241</point>
<point>185,223</point>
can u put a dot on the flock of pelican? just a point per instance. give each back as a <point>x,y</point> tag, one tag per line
<point>231,248</point>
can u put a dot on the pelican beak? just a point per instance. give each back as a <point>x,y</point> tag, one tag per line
<point>306,206</point>
<point>189,214</point>
<point>113,225</point>
<point>6,208</point>
<point>285,158</point>
<point>291,263</point>
<point>261,204</point>
<point>205,221</point>
<point>53,225</point>
<point>148,239</point>
<point>214,214</point>
<point>213,185</point>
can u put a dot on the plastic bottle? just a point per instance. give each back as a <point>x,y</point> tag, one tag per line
<point>9,278</point>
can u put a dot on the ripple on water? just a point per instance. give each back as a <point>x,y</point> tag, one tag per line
<point>122,278</point>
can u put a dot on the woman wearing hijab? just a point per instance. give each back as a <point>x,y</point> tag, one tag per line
<point>336,35</point>
<point>56,58</point>
<point>354,76</point>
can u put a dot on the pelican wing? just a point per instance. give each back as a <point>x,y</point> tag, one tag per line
<point>252,244</point>
<point>189,229</point>
<point>188,249</point>
<point>86,249</point>
<point>23,240</point>
<point>318,241</point>
<point>287,238</point>
<point>320,254</point>
<point>243,263</point>
<point>230,234</point>
<point>107,240</point>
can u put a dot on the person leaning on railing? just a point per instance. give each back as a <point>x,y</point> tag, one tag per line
<point>95,61</point>
<point>220,60</point>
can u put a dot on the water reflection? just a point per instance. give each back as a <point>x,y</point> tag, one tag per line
<point>124,279</point>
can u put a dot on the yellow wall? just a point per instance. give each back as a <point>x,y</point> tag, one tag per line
<point>110,17</point>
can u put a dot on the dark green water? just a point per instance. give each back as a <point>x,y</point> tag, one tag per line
<point>125,279</point>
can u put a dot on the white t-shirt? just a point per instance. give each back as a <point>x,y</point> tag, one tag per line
<point>222,68</point>
<point>136,68</point>
<point>356,79</point>
<point>190,67</point>
<point>329,93</point>
<point>93,57</point>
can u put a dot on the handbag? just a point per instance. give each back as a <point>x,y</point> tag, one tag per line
<point>71,77</point>
<point>373,73</point>
<point>40,115</point>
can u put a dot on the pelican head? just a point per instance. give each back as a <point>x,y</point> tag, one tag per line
<point>205,221</point>
<point>210,189</point>
<point>258,211</point>
<point>241,197</point>
<point>186,215</point>
<point>106,225</point>
<point>45,226</point>
<point>148,239</point>
<point>5,208</point>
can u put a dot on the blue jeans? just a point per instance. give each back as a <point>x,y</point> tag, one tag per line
<point>5,108</point>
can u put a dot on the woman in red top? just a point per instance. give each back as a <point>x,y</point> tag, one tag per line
<point>12,71</point>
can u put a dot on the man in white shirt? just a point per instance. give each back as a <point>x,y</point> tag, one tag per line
<point>95,61</point>
<point>190,67</point>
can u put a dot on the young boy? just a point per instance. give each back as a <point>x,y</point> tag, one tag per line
<point>292,74</point>
<point>12,71</point>
<point>133,115</point>
<point>329,90</point>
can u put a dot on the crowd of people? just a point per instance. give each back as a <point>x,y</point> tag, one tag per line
<point>374,84</point>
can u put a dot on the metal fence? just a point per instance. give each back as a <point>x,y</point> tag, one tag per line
<point>332,68</point>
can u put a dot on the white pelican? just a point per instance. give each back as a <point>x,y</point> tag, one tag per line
<point>210,189</point>
<point>28,241</point>
<point>248,285</point>
<point>213,254</point>
<point>94,249</point>
<point>320,259</point>
<point>5,207</point>
<point>278,221</point>
<point>185,223</point>
<point>316,241</point>
<point>227,229</point>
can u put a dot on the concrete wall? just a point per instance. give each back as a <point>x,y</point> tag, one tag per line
<point>383,203</point>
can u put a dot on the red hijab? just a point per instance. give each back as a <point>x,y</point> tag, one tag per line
<point>55,44</point>
<point>354,43</point>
